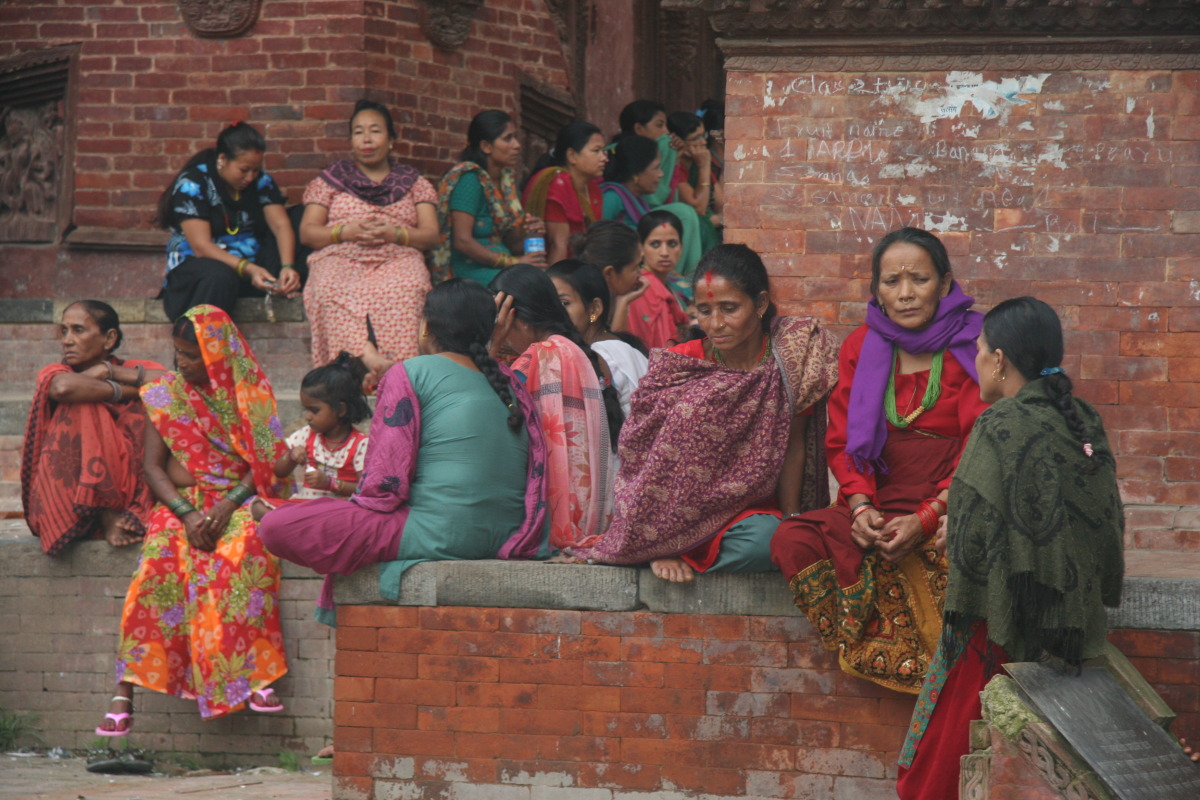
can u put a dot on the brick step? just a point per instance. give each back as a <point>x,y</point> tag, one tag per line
<point>277,332</point>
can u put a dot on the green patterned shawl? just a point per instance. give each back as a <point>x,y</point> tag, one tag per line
<point>1036,530</point>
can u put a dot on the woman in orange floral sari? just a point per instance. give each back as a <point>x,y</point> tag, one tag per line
<point>201,618</point>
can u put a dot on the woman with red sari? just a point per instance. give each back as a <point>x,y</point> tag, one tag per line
<point>578,407</point>
<point>724,434</point>
<point>865,571</point>
<point>565,191</point>
<point>81,464</point>
<point>367,218</point>
<point>201,618</point>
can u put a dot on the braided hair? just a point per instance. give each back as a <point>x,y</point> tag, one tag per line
<point>461,315</point>
<point>1029,334</point>
<point>339,383</point>
<point>535,301</point>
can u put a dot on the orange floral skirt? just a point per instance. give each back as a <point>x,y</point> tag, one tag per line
<point>203,625</point>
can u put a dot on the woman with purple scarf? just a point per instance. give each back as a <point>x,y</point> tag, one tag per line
<point>724,434</point>
<point>367,219</point>
<point>426,493</point>
<point>865,571</point>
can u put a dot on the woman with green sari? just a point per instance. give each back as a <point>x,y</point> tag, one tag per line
<point>480,215</point>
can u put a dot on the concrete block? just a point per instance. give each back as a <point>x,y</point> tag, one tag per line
<point>759,594</point>
<point>1169,604</point>
<point>531,584</point>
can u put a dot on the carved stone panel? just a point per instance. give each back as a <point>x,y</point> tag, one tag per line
<point>35,147</point>
<point>219,18</point>
<point>447,23</point>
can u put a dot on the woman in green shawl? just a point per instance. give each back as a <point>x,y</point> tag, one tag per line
<point>1034,537</point>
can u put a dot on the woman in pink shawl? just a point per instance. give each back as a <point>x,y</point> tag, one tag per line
<point>579,408</point>
<point>426,494</point>
<point>724,435</point>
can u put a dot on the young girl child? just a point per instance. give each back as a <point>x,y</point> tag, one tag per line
<point>658,317</point>
<point>329,446</point>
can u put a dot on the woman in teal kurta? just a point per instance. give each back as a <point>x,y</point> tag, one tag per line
<point>426,493</point>
<point>633,179</point>
<point>479,210</point>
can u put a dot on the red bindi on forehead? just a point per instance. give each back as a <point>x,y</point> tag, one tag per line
<point>708,278</point>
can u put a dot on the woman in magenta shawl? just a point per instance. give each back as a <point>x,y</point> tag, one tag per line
<point>426,493</point>
<point>724,433</point>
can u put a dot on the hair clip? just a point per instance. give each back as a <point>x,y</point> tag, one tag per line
<point>1054,371</point>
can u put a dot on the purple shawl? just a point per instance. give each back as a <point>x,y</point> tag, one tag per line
<point>345,176</point>
<point>955,327</point>
<point>635,207</point>
<point>704,442</point>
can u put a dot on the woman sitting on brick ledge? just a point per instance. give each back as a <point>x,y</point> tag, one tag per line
<point>201,617</point>
<point>865,570</point>
<point>1034,533</point>
<point>367,218</point>
<point>455,467</point>
<point>81,464</point>
<point>725,433</point>
<point>228,227</point>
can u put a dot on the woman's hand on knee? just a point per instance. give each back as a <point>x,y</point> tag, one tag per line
<point>866,528</point>
<point>900,537</point>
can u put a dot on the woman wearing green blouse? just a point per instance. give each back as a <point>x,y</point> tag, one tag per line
<point>482,221</point>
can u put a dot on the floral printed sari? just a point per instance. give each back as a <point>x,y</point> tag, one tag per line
<point>579,460</point>
<point>197,624</point>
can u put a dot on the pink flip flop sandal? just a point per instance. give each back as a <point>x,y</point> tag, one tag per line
<point>117,719</point>
<point>264,694</point>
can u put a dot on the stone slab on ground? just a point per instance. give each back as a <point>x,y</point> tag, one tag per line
<point>27,778</point>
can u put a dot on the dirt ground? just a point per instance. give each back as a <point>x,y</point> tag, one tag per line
<point>26,777</point>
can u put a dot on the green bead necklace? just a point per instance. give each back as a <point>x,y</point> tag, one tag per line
<point>932,392</point>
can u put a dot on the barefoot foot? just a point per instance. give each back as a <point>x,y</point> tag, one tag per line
<point>117,530</point>
<point>674,570</point>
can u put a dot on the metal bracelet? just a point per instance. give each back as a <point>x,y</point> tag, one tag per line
<point>116,390</point>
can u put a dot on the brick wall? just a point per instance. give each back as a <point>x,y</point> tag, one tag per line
<point>59,623</point>
<point>527,704</point>
<point>1077,186</point>
<point>150,94</point>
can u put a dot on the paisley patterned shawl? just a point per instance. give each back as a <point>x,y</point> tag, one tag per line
<point>705,441</point>
<point>216,430</point>
<point>1035,534</point>
<point>503,199</point>
<point>345,176</point>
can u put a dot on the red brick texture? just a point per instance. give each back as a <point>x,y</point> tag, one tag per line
<point>723,706</point>
<point>150,94</point>
<point>1078,187</point>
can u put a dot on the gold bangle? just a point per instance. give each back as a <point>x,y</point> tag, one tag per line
<point>499,262</point>
<point>335,234</point>
<point>400,230</point>
<point>241,267</point>
<point>703,185</point>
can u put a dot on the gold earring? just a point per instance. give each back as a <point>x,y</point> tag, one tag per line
<point>997,376</point>
<point>592,318</point>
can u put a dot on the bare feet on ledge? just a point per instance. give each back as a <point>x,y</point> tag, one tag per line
<point>674,570</point>
<point>119,530</point>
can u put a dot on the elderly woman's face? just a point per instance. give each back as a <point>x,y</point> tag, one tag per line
<point>83,343</point>
<point>189,362</point>
<point>369,141</point>
<point>730,317</point>
<point>909,287</point>
<point>646,181</point>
